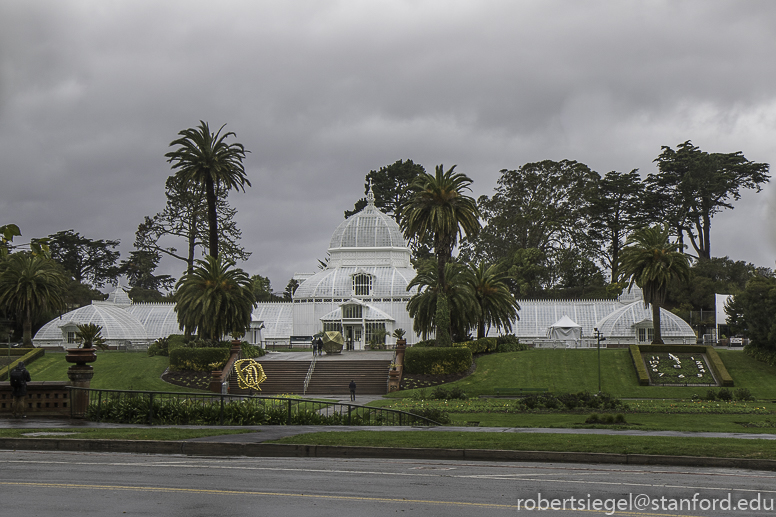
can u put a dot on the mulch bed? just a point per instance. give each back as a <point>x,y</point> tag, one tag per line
<point>188,379</point>
<point>410,381</point>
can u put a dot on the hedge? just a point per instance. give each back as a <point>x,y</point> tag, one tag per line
<point>199,359</point>
<point>437,361</point>
<point>638,362</point>
<point>718,367</point>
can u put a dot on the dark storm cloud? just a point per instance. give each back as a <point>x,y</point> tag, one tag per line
<point>91,93</point>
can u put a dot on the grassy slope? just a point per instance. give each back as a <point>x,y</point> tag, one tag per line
<point>568,370</point>
<point>112,370</point>
<point>678,446</point>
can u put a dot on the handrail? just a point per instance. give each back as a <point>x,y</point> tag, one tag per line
<point>342,413</point>
<point>309,374</point>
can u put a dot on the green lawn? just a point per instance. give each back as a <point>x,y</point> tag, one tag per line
<point>674,446</point>
<point>147,433</point>
<point>571,371</point>
<point>112,370</point>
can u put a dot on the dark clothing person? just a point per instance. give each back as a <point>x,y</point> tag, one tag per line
<point>319,346</point>
<point>352,387</point>
<point>19,378</point>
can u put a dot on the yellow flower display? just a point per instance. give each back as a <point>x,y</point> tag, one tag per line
<point>249,374</point>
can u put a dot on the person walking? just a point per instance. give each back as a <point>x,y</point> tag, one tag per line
<point>352,387</point>
<point>19,378</point>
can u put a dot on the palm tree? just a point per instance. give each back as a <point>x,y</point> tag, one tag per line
<point>423,306</point>
<point>497,306</point>
<point>214,299</point>
<point>204,158</point>
<point>438,209</point>
<point>29,285</point>
<point>652,262</point>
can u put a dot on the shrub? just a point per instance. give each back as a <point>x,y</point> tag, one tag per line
<point>569,400</point>
<point>437,361</point>
<point>765,356</point>
<point>619,418</point>
<point>607,419</point>
<point>593,419</point>
<point>511,347</point>
<point>160,347</point>
<point>508,339</point>
<point>425,343</point>
<point>198,359</point>
<point>711,395</point>
<point>442,393</point>
<point>249,351</point>
<point>725,394</point>
<point>743,394</point>
<point>480,346</point>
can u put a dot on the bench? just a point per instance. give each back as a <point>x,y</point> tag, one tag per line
<point>507,392</point>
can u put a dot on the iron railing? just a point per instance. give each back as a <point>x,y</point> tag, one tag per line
<point>176,408</point>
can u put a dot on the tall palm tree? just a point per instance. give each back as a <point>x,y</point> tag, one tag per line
<point>497,306</point>
<point>422,307</point>
<point>214,299</point>
<point>204,158</point>
<point>29,285</point>
<point>438,209</point>
<point>652,262</point>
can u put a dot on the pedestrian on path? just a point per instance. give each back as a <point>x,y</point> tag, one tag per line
<point>352,387</point>
<point>19,378</point>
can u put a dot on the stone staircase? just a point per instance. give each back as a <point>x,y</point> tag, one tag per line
<point>333,377</point>
<point>329,378</point>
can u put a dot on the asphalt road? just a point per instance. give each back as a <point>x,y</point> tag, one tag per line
<point>85,484</point>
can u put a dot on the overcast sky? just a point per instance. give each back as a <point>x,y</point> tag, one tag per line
<point>321,92</point>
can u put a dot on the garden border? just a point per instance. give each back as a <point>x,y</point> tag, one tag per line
<point>715,361</point>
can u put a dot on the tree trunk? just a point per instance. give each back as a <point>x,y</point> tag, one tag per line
<point>212,216</point>
<point>27,327</point>
<point>657,337</point>
<point>443,322</point>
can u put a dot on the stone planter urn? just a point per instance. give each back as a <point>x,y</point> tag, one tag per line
<point>80,375</point>
<point>80,356</point>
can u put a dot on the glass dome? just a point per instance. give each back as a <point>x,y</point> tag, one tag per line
<point>369,228</point>
<point>621,323</point>
<point>159,319</point>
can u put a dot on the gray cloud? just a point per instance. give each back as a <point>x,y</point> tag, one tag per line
<point>91,93</point>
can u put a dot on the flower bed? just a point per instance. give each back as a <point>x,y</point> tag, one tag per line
<point>678,369</point>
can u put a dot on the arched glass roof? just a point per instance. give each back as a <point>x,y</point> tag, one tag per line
<point>277,317</point>
<point>159,319</point>
<point>116,322</point>
<point>621,322</point>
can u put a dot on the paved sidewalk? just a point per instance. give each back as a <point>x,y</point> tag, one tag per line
<point>359,355</point>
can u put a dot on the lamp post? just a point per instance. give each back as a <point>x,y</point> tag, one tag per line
<point>599,339</point>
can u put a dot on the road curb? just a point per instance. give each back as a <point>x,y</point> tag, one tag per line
<point>201,448</point>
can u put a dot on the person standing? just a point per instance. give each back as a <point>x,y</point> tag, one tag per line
<point>352,387</point>
<point>19,378</point>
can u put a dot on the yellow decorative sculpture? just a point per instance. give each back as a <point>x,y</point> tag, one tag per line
<point>249,374</point>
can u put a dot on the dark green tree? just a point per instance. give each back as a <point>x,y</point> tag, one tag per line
<point>88,261</point>
<point>615,209</point>
<point>291,286</point>
<point>652,262</point>
<point>692,186</point>
<point>438,209</point>
<point>214,299</point>
<point>389,185</point>
<point>145,285</point>
<point>204,158</point>
<point>30,285</point>
<point>262,289</point>
<point>184,218</point>
<point>541,205</point>
<point>752,312</point>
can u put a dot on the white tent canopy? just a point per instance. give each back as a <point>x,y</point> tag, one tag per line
<point>565,329</point>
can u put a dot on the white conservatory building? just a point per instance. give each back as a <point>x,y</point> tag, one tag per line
<point>362,289</point>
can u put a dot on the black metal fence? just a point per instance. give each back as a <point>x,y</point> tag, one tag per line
<point>175,408</point>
